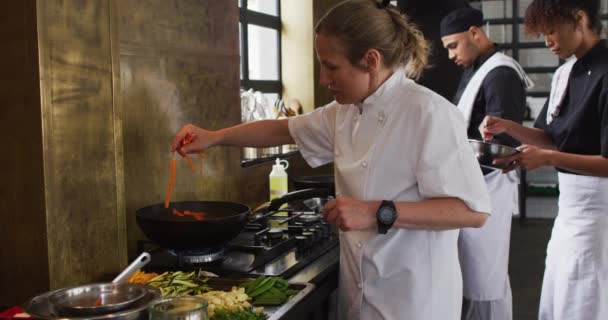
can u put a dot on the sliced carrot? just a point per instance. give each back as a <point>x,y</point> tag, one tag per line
<point>197,216</point>
<point>186,140</point>
<point>171,182</point>
<point>177,213</point>
<point>191,164</point>
<point>194,214</point>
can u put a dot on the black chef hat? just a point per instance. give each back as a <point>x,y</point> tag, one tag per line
<point>460,20</point>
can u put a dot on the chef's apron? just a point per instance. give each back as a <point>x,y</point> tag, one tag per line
<point>484,252</point>
<point>575,284</point>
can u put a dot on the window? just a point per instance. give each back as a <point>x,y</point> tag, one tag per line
<point>260,46</point>
<point>531,53</point>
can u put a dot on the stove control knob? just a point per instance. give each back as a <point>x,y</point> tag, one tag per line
<point>318,233</point>
<point>310,237</point>
<point>295,230</point>
<point>326,229</point>
<point>314,235</point>
<point>322,231</point>
<point>274,235</point>
<point>301,243</point>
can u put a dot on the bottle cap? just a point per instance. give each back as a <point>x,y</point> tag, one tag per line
<point>280,164</point>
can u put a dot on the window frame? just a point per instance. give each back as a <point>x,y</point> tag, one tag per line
<point>515,21</point>
<point>249,17</point>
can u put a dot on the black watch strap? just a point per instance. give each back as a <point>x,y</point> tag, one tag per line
<point>384,217</point>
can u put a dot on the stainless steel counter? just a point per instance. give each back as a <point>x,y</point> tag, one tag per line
<point>323,273</point>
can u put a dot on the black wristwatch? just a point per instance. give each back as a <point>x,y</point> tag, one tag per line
<point>386,216</point>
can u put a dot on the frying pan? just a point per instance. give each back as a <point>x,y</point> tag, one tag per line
<point>223,222</point>
<point>316,181</point>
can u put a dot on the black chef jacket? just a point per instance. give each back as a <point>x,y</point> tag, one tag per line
<point>581,127</point>
<point>502,94</point>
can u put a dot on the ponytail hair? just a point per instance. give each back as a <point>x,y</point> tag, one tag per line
<point>361,25</point>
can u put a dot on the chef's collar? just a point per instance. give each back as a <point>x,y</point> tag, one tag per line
<point>593,54</point>
<point>483,58</point>
<point>378,100</point>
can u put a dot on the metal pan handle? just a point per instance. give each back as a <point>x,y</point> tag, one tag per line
<point>276,203</point>
<point>138,263</point>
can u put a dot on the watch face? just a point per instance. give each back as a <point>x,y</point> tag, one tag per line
<point>386,215</point>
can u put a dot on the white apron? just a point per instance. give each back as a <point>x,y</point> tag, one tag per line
<point>404,143</point>
<point>484,252</point>
<point>575,284</point>
<point>467,100</point>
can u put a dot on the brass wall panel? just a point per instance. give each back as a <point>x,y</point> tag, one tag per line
<point>179,63</point>
<point>23,253</point>
<point>79,146</point>
<point>94,92</point>
<point>118,138</point>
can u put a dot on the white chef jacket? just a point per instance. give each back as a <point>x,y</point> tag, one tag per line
<point>403,143</point>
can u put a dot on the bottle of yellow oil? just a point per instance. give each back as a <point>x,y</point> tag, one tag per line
<point>278,187</point>
<point>278,178</point>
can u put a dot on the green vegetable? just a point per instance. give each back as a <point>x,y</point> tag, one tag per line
<point>179,283</point>
<point>273,296</point>
<point>263,287</point>
<point>269,291</point>
<point>223,314</point>
<point>249,286</point>
<point>281,283</point>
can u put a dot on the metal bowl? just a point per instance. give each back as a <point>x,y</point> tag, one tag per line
<point>96,299</point>
<point>487,152</point>
<point>40,307</point>
<point>182,307</point>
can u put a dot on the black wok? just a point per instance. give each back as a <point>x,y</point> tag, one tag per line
<point>223,222</point>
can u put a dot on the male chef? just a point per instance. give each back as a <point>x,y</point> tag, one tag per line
<point>492,84</point>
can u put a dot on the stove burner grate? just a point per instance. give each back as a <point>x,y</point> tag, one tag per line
<point>199,256</point>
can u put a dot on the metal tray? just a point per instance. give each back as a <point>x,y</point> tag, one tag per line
<point>274,313</point>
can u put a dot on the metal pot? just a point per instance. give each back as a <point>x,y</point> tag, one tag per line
<point>269,151</point>
<point>487,152</point>
<point>251,153</point>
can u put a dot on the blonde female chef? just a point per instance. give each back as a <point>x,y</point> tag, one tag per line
<point>405,174</point>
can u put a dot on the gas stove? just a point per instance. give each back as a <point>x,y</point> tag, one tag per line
<point>278,244</point>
